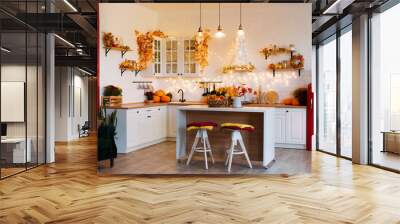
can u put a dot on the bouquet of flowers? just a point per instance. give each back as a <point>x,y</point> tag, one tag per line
<point>238,91</point>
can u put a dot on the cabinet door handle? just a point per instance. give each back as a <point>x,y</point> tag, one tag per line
<point>148,116</point>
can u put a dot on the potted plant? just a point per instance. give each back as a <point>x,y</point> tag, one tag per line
<point>112,96</point>
<point>106,147</point>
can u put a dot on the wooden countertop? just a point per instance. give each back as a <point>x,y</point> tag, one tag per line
<point>145,105</point>
<point>273,105</point>
<point>225,109</point>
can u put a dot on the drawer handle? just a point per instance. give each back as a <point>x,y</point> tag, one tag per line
<point>287,111</point>
<point>148,116</point>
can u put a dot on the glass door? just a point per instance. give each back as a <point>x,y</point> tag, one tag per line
<point>326,98</point>
<point>171,55</point>
<point>22,90</point>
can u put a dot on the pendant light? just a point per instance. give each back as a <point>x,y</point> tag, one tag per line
<point>200,30</point>
<point>220,33</point>
<point>240,30</point>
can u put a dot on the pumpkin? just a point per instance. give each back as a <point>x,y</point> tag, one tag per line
<point>165,99</point>
<point>156,99</point>
<point>295,102</point>
<point>160,93</point>
<point>287,101</point>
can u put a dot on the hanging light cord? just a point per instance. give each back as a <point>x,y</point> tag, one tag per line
<point>240,14</point>
<point>200,14</point>
<point>219,14</point>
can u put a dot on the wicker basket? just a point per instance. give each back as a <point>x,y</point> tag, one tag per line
<point>111,101</point>
<point>218,102</point>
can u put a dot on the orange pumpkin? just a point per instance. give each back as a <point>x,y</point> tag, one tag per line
<point>287,101</point>
<point>165,99</point>
<point>295,102</point>
<point>159,92</point>
<point>156,99</point>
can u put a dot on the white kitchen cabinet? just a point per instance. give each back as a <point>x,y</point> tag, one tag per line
<point>290,127</point>
<point>280,126</point>
<point>134,135</point>
<point>296,126</point>
<point>172,121</point>
<point>173,57</point>
<point>158,124</point>
<point>139,128</point>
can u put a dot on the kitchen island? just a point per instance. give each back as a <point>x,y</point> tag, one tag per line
<point>260,143</point>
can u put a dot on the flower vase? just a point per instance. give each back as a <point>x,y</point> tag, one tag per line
<point>237,102</point>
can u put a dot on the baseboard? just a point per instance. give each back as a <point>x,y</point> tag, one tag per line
<point>141,146</point>
<point>171,139</point>
<point>290,146</point>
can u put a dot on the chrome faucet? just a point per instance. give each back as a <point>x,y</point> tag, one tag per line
<point>182,99</point>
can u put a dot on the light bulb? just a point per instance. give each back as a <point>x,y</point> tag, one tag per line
<point>240,31</point>
<point>220,33</point>
<point>200,32</point>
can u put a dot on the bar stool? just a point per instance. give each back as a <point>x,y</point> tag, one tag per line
<point>202,128</point>
<point>236,137</point>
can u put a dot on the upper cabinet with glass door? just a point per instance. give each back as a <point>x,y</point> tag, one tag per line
<point>173,57</point>
<point>156,66</point>
<point>190,66</point>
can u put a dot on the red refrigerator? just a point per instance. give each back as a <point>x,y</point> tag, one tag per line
<point>310,117</point>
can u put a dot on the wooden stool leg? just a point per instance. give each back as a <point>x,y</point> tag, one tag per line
<point>196,141</point>
<point>209,148</point>
<point>244,150</point>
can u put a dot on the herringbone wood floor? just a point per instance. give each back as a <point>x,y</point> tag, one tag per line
<point>71,192</point>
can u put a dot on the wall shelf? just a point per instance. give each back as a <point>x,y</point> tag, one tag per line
<point>120,49</point>
<point>287,69</point>
<point>123,70</point>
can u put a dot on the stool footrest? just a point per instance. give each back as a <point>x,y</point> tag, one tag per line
<point>202,150</point>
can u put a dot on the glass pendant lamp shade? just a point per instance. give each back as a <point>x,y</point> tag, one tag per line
<point>200,30</point>
<point>220,33</point>
<point>240,31</point>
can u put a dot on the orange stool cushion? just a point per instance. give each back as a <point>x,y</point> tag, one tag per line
<point>238,126</point>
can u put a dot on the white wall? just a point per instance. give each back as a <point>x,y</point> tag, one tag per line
<point>33,127</point>
<point>122,20</point>
<point>69,82</point>
<point>264,24</point>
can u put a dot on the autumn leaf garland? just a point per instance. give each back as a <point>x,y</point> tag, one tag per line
<point>145,46</point>
<point>201,49</point>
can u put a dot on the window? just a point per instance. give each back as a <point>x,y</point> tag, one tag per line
<point>346,94</point>
<point>385,89</point>
<point>327,96</point>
